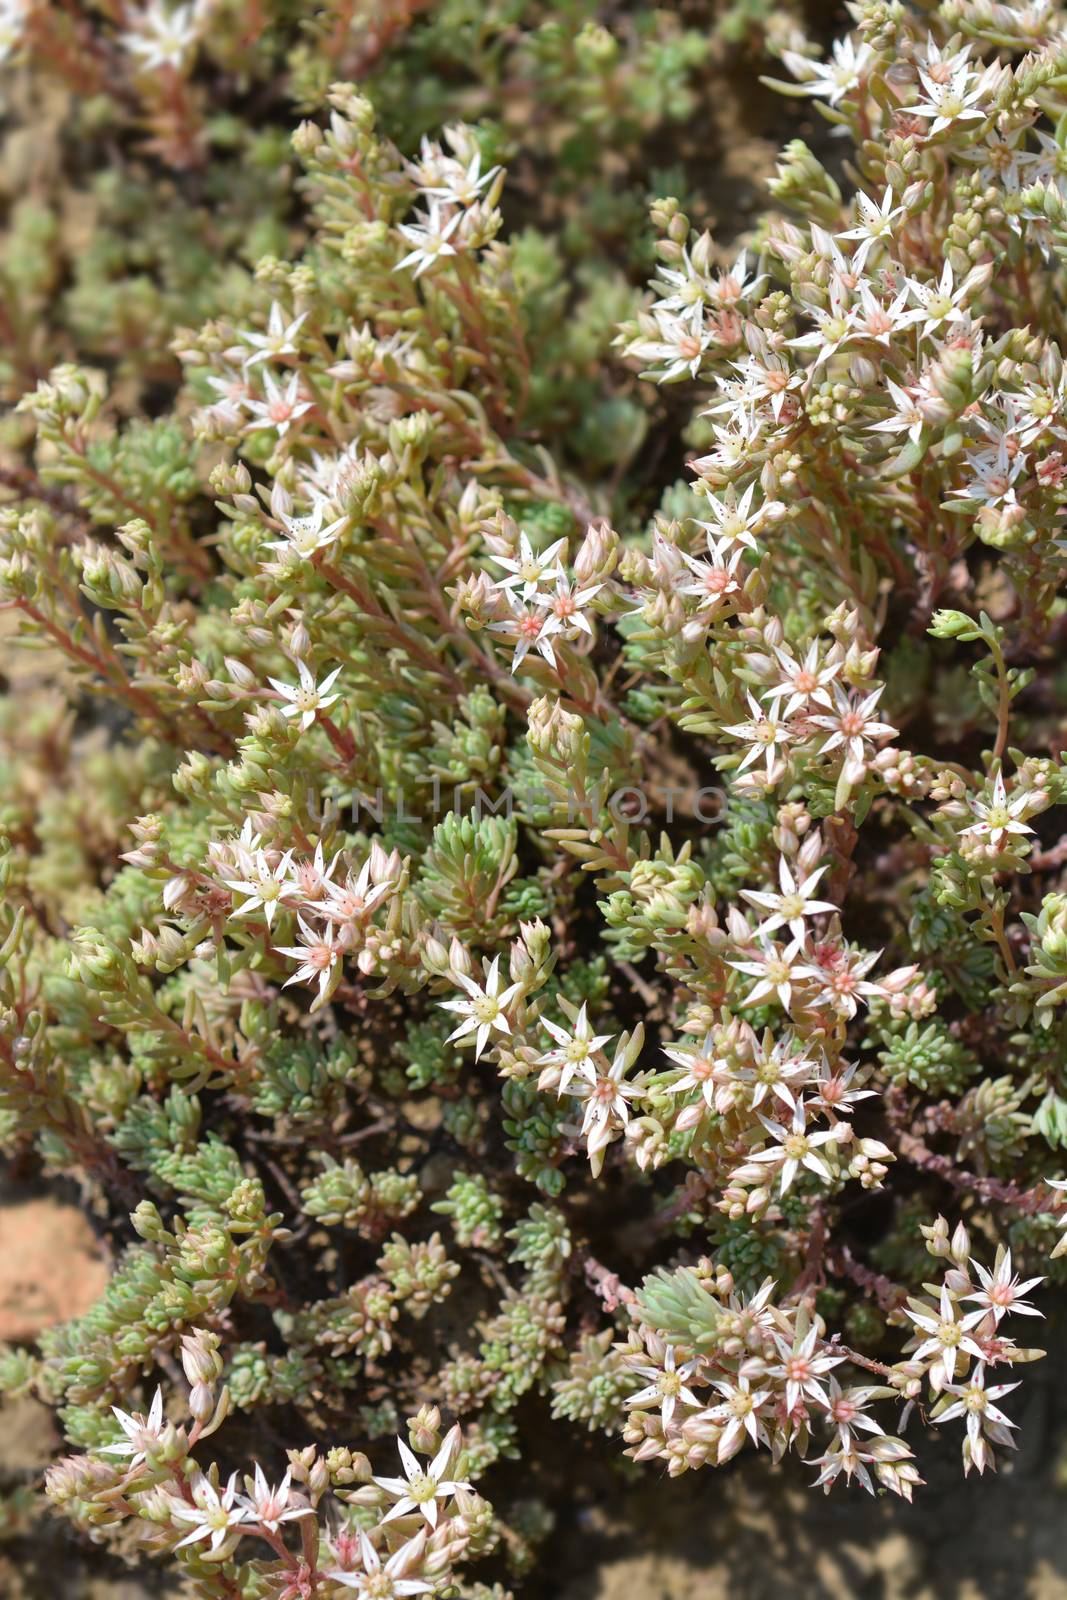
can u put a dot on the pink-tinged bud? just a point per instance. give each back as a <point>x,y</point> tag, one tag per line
<point>597,554</point>
<point>243,676</point>
<point>201,1402</point>
<point>459,958</point>
<point>144,857</point>
<point>200,1357</point>
<point>307,138</point>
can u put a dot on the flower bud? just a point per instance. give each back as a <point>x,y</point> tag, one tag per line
<point>200,1357</point>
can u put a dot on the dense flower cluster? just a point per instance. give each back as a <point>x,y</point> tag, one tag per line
<point>491,839</point>
<point>157,1483</point>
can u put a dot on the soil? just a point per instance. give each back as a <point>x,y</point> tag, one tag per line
<point>50,1268</point>
<point>756,1533</point>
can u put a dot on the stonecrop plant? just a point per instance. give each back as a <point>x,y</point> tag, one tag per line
<point>533,849</point>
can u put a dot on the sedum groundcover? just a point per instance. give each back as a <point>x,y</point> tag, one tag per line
<point>531,775</point>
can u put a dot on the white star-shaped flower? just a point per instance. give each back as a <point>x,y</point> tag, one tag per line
<point>668,1385</point>
<point>739,1410</point>
<point>376,1579</point>
<point>875,225</point>
<point>766,731</point>
<point>948,1332</point>
<point>802,1368</point>
<point>422,1487</point>
<point>431,238</point>
<point>574,1052</point>
<point>776,970</point>
<point>279,339</point>
<point>281,406</point>
<point>353,899</point>
<point>306,535</point>
<point>266,886</point>
<point>528,571</point>
<point>161,38</point>
<point>318,956</point>
<point>272,1506</point>
<point>307,698</point>
<point>998,818</point>
<point>484,1010</point>
<point>792,905</point>
<point>142,1433</point>
<point>216,1518</point>
<point>531,630</point>
<point>802,683</point>
<point>831,80</point>
<point>1001,1291</point>
<point>795,1147</point>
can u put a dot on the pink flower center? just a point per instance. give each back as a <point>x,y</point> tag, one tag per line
<point>349,905</point>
